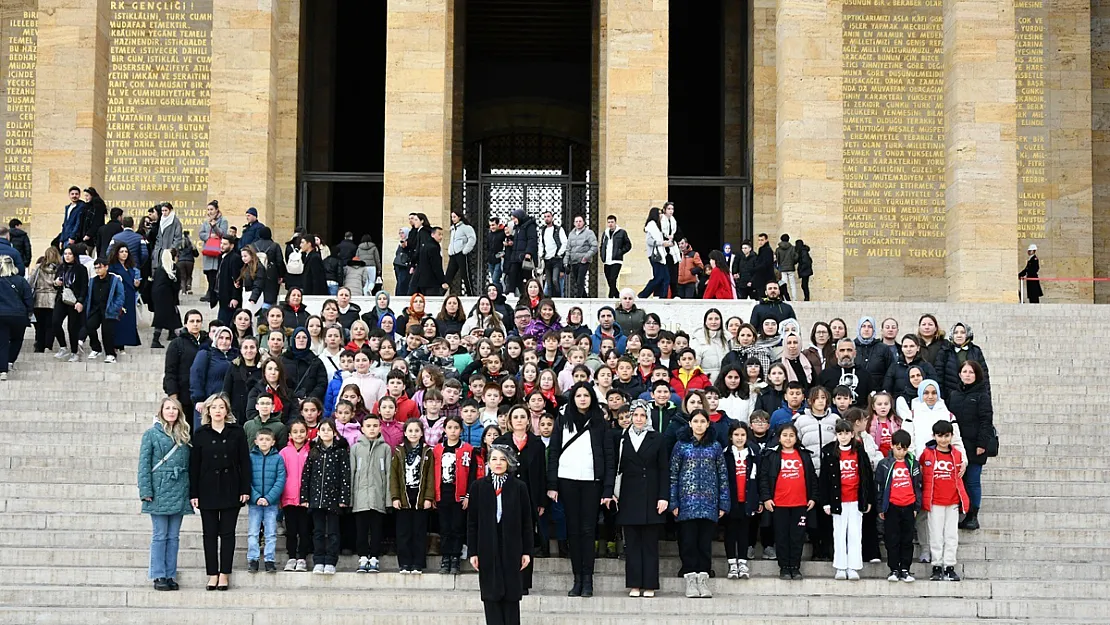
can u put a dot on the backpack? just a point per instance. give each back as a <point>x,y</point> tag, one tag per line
<point>294,265</point>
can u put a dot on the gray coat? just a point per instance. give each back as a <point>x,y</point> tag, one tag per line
<point>370,466</point>
<point>168,239</point>
<point>581,245</point>
<point>463,239</point>
<point>211,263</point>
<point>168,486</point>
<point>369,255</point>
<point>787,258</point>
<point>355,278</point>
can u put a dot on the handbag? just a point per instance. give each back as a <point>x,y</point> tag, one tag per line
<point>528,267</point>
<point>68,298</point>
<point>620,474</point>
<point>212,246</point>
<point>991,444</point>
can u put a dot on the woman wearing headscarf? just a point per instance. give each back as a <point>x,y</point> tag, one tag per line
<point>122,263</point>
<point>580,475</point>
<point>959,350</point>
<point>169,237</point>
<point>872,355</point>
<point>798,367</point>
<point>164,297</point>
<point>381,307</point>
<point>303,370</point>
<point>642,498</point>
<point>206,376</point>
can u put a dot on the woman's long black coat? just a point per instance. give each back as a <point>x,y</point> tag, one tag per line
<point>532,469</point>
<point>219,467</point>
<point>499,553</point>
<point>645,479</point>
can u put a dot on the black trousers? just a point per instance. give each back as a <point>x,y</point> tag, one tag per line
<point>67,318</point>
<point>761,530</point>
<point>368,533</point>
<point>502,612</point>
<point>612,272</point>
<point>688,291</point>
<point>298,532</point>
<point>452,526</point>
<point>641,556</point>
<point>672,272</point>
<point>513,278</point>
<point>695,545</point>
<point>820,533</point>
<point>412,538</point>
<point>581,501</point>
<point>898,531</point>
<point>790,535</point>
<point>576,279</point>
<point>97,321</point>
<point>12,330</point>
<point>805,288</point>
<point>870,544</point>
<point>44,329</point>
<point>736,534</point>
<point>219,539</point>
<point>325,537</point>
<point>210,276</point>
<point>457,263</point>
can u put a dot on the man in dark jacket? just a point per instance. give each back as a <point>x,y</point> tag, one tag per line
<point>744,272</point>
<point>346,249</point>
<point>525,247</point>
<point>764,265</point>
<point>771,307</point>
<point>847,372</point>
<point>6,249</point>
<point>134,241</point>
<point>275,265</point>
<point>252,230</point>
<point>179,358</point>
<point>227,296</point>
<point>73,216</point>
<point>20,241</point>
<point>429,278</point>
<point>106,233</point>
<point>614,245</point>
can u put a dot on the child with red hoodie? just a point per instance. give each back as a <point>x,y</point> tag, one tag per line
<point>395,388</point>
<point>944,496</point>
<point>689,375</point>
<point>298,530</point>
<point>455,468</point>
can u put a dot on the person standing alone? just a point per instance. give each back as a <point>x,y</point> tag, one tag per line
<point>580,249</point>
<point>614,245</point>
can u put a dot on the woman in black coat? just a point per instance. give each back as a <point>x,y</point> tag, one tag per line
<point>644,490</point>
<point>582,478</point>
<point>898,375</point>
<point>72,274</point>
<point>315,282</point>
<point>970,401</point>
<point>530,468</point>
<point>242,376</point>
<point>219,484</point>
<point>499,536</point>
<point>164,296</point>
<point>304,370</point>
<point>956,351</point>
<point>273,383</point>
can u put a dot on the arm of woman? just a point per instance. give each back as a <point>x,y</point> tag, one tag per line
<point>146,464</point>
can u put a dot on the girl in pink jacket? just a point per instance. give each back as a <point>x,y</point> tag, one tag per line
<point>298,533</point>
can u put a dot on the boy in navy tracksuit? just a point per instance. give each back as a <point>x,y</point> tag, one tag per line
<point>742,462</point>
<point>899,484</point>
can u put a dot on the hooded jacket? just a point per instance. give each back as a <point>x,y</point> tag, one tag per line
<point>294,470</point>
<point>805,261</point>
<point>620,339</point>
<point>326,481</point>
<point>371,461</point>
<point>267,476</point>
<point>368,253</point>
<point>699,479</point>
<point>884,475</point>
<point>697,381</point>
<point>463,239</point>
<point>22,244</point>
<point>786,256</point>
<point>525,240</point>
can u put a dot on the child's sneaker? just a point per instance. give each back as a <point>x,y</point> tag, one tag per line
<point>733,570</point>
<point>769,553</point>
<point>906,577</point>
<point>938,574</point>
<point>372,565</point>
<point>950,575</point>
<point>329,569</point>
<point>318,569</point>
<point>363,565</point>
<point>853,575</point>
<point>742,569</point>
<point>404,570</point>
<point>271,567</point>
<point>109,360</point>
<point>841,574</point>
<point>291,565</point>
<point>416,571</point>
<point>93,355</point>
<point>894,576</point>
<point>252,566</point>
<point>302,566</point>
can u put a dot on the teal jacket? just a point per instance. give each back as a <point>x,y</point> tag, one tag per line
<point>168,486</point>
<point>267,476</point>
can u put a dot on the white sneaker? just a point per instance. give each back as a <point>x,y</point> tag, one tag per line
<point>876,560</point>
<point>93,355</point>
<point>291,565</point>
<point>416,572</point>
<point>318,569</point>
<point>841,574</point>
<point>11,366</point>
<point>742,570</point>
<point>74,358</point>
<point>405,571</point>
<point>733,570</point>
<point>853,575</point>
<point>329,569</point>
<point>302,566</point>
<point>906,577</point>
<point>893,577</point>
<point>109,360</point>
<point>4,376</point>
<point>62,353</point>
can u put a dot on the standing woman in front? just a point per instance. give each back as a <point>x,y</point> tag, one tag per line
<point>530,467</point>
<point>219,484</point>
<point>499,536</point>
<point>164,488</point>
<point>642,500</point>
<point>580,476</point>
<point>699,497</point>
<point>971,403</point>
<point>72,284</point>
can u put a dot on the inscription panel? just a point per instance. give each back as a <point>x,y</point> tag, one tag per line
<point>18,37</point>
<point>1032,129</point>
<point>158,107</point>
<point>894,144</point>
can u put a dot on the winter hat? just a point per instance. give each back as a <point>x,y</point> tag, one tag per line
<point>252,211</point>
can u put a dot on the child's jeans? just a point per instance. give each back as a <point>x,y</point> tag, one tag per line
<point>848,537</point>
<point>262,517</point>
<point>943,536</point>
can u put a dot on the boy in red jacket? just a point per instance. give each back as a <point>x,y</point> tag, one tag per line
<point>944,496</point>
<point>689,375</point>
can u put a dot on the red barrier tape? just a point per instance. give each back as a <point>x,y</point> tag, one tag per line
<point>1066,279</point>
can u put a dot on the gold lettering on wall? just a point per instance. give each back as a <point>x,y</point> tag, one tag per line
<point>1032,132</point>
<point>894,143</point>
<point>158,106</point>
<point>19,33</point>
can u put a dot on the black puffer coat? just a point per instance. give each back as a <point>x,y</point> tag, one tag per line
<point>971,403</point>
<point>326,481</point>
<point>948,367</point>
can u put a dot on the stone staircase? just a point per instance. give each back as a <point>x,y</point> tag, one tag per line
<point>74,545</point>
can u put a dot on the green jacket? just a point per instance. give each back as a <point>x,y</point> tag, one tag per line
<point>371,462</point>
<point>281,433</point>
<point>168,485</point>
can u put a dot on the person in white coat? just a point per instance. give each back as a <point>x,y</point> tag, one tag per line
<point>463,242</point>
<point>669,227</point>
<point>657,251</point>
<point>710,342</point>
<point>169,234</point>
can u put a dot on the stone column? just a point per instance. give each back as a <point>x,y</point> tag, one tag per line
<point>71,103</point>
<point>243,147</point>
<point>632,121</point>
<point>981,144</point>
<point>419,89</point>
<point>810,128</point>
<point>762,94</point>
<point>1100,149</point>
<point>288,101</point>
<point>734,81</point>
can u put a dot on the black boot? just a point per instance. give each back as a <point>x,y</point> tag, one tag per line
<point>971,520</point>
<point>156,343</point>
<point>587,585</point>
<point>576,589</point>
<point>564,549</point>
<point>545,549</point>
<point>445,565</point>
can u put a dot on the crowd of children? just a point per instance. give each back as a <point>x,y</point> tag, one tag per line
<point>841,445</point>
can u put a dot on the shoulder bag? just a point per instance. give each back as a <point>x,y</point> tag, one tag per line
<point>166,457</point>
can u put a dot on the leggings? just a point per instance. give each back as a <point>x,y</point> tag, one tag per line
<point>44,329</point>
<point>298,532</point>
<point>67,317</point>
<point>736,534</point>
